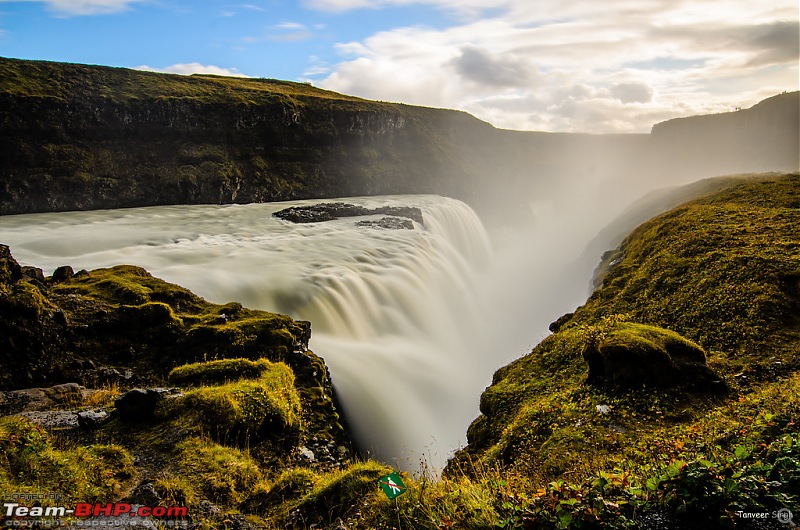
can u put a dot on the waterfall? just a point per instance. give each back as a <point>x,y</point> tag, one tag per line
<point>398,315</point>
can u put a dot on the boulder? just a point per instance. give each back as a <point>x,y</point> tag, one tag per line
<point>145,493</point>
<point>634,355</point>
<point>33,273</point>
<point>137,405</point>
<point>52,419</point>
<point>66,394</point>
<point>140,404</point>
<point>63,274</point>
<point>10,271</point>
<point>92,419</point>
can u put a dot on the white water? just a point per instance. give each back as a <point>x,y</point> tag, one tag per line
<point>412,323</point>
<point>405,319</point>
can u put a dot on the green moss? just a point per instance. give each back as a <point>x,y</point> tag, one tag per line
<point>722,270</point>
<point>205,469</point>
<point>150,310</point>
<point>339,494</point>
<point>23,299</point>
<point>248,410</point>
<point>129,285</point>
<point>31,463</point>
<point>48,79</point>
<point>178,490</point>
<point>219,371</point>
<point>276,499</point>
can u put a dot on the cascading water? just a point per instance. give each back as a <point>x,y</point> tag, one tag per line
<point>398,315</point>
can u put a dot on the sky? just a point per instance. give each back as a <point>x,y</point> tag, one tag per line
<point>610,66</point>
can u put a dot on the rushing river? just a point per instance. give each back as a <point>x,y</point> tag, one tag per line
<point>412,323</point>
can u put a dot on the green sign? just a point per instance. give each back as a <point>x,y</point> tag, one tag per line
<point>392,485</point>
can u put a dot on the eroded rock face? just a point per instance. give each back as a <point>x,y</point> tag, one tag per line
<point>10,271</point>
<point>634,355</point>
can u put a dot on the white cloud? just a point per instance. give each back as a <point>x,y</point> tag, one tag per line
<point>495,70</point>
<point>618,65</point>
<point>632,92</point>
<point>83,7</point>
<point>290,26</point>
<point>193,68</point>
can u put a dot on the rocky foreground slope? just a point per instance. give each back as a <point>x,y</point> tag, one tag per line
<point>669,400</point>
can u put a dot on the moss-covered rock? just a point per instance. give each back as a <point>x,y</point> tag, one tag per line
<point>629,355</point>
<point>247,410</point>
<point>277,498</point>
<point>339,494</point>
<point>252,392</point>
<point>219,371</point>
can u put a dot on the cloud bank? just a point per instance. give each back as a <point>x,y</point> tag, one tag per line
<point>575,65</point>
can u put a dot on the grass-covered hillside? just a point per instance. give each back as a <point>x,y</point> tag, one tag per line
<point>671,399</point>
<point>675,386</point>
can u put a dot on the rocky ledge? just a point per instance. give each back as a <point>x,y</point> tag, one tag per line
<point>121,328</point>
<point>330,211</point>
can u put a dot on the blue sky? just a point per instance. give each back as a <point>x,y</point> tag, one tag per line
<point>556,65</point>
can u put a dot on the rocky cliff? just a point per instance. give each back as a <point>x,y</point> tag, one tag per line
<point>78,137</point>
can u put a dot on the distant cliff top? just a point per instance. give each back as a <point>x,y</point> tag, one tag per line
<point>776,108</point>
<point>79,137</point>
<point>61,80</point>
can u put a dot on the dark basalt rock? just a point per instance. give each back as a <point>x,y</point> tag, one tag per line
<point>10,271</point>
<point>33,273</point>
<point>63,274</point>
<point>145,494</point>
<point>388,223</point>
<point>137,405</point>
<point>560,322</point>
<point>330,211</point>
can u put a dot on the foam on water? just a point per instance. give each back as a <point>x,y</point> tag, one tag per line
<point>397,315</point>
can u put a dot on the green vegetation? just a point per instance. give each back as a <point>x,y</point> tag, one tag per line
<point>675,390</point>
<point>722,271</point>
<point>58,80</point>
<point>219,371</point>
<point>266,407</point>
<point>31,462</point>
<point>220,474</point>
<point>149,309</point>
